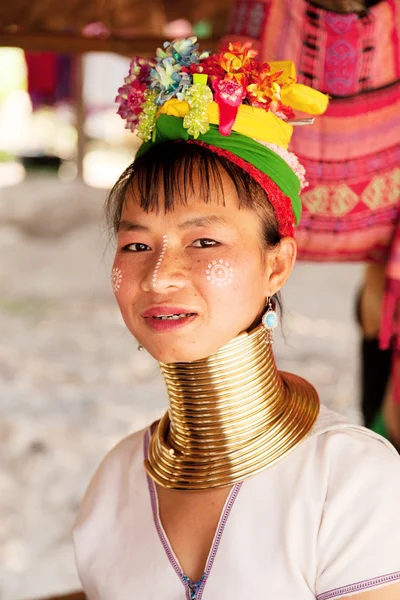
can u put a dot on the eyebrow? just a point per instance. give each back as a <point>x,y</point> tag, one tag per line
<point>126,225</point>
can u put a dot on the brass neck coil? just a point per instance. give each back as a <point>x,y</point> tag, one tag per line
<point>230,416</point>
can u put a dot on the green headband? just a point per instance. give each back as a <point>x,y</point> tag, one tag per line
<point>169,128</point>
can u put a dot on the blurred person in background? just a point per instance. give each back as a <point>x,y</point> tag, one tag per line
<point>349,49</point>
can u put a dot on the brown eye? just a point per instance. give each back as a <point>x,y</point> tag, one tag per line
<point>136,247</point>
<point>204,243</point>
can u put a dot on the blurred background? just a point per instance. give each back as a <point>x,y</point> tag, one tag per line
<point>71,380</point>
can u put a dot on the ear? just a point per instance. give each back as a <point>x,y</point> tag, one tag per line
<point>279,265</point>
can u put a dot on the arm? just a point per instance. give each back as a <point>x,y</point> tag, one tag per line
<point>388,592</point>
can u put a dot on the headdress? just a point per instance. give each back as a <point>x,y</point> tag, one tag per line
<point>236,106</point>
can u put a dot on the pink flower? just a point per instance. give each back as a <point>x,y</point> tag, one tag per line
<point>228,91</point>
<point>136,96</point>
<point>229,95</point>
<point>131,95</point>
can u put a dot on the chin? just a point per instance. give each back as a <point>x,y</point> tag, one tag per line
<point>178,353</point>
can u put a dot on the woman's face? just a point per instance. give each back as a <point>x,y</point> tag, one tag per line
<point>190,280</point>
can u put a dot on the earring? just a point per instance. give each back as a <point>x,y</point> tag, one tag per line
<point>270,321</point>
<point>140,348</point>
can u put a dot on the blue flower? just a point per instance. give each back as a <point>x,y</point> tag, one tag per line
<point>183,51</point>
<point>168,80</point>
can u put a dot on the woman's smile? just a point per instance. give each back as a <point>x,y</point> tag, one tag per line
<point>168,318</point>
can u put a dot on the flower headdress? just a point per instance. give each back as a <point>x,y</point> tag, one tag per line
<point>237,106</point>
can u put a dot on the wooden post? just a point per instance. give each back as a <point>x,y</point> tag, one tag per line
<point>80,114</point>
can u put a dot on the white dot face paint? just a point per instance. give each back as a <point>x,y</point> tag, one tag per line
<point>160,259</point>
<point>219,273</point>
<point>116,279</point>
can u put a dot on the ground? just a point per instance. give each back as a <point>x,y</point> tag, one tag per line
<point>72,382</point>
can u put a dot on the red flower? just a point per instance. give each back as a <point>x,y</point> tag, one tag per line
<point>234,61</point>
<point>283,111</point>
<point>229,92</point>
<point>136,96</point>
<point>229,95</point>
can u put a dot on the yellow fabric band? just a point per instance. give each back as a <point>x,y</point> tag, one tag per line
<point>250,121</point>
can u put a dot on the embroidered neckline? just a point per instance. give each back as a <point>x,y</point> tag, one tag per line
<point>194,590</point>
<point>194,587</point>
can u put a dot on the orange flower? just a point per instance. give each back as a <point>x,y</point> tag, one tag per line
<point>264,87</point>
<point>233,62</point>
<point>237,58</point>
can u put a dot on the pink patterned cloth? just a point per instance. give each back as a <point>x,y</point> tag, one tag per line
<point>351,209</point>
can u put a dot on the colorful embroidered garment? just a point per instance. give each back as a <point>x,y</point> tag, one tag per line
<point>351,209</point>
<point>237,106</point>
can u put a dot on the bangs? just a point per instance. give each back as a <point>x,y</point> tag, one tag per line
<point>172,173</point>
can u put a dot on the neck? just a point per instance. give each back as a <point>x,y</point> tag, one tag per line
<point>230,416</point>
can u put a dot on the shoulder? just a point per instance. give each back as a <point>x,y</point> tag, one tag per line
<point>122,465</point>
<point>359,531</point>
<point>350,456</point>
<point>117,488</point>
<point>126,453</point>
<point>334,438</point>
<point>338,457</point>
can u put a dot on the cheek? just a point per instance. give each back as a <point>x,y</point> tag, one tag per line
<point>219,273</point>
<point>116,278</point>
<point>234,284</point>
<point>242,275</point>
<point>123,278</point>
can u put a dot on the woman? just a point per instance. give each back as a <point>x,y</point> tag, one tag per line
<point>246,487</point>
<point>348,49</point>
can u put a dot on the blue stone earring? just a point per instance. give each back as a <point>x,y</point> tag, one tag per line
<point>270,321</point>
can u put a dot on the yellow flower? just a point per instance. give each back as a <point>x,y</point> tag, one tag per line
<point>299,97</point>
<point>174,108</point>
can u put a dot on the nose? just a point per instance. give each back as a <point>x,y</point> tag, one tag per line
<point>167,272</point>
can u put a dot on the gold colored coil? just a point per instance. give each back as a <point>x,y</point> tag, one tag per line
<point>230,416</point>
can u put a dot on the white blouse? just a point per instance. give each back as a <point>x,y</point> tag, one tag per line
<point>323,522</point>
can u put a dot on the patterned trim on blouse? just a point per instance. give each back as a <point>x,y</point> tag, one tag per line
<point>214,549</point>
<point>157,522</point>
<point>360,586</point>
<point>191,587</point>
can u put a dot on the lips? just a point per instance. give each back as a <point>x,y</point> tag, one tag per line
<point>168,318</point>
<point>162,311</point>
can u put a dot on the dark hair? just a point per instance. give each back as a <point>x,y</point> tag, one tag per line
<point>171,166</point>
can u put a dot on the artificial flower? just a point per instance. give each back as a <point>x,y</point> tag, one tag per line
<point>131,95</point>
<point>183,51</point>
<point>229,95</point>
<point>235,61</point>
<point>197,121</point>
<point>238,59</point>
<point>168,80</point>
<point>174,108</point>
<point>147,118</point>
<point>282,111</point>
<point>229,92</point>
<point>263,86</point>
<point>235,78</point>
<point>136,96</point>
